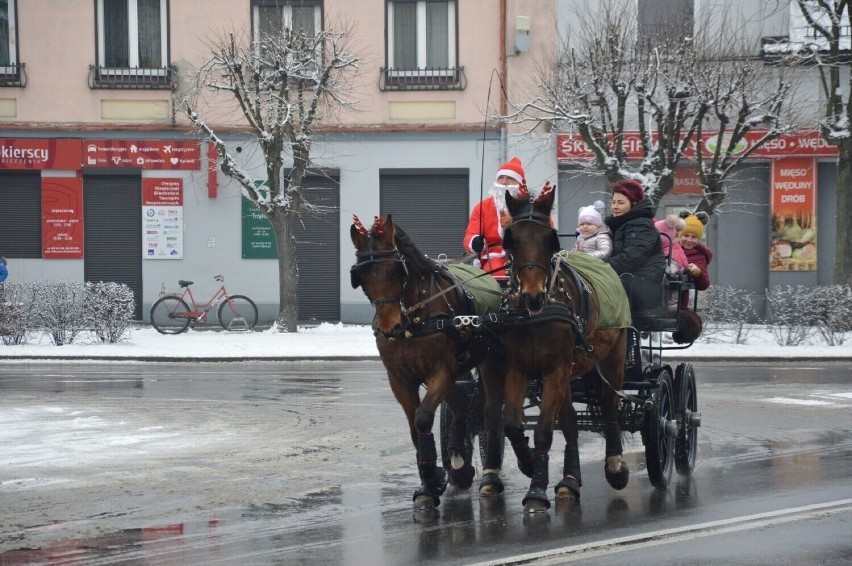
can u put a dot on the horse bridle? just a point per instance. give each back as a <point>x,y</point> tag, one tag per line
<point>372,256</point>
<point>535,217</point>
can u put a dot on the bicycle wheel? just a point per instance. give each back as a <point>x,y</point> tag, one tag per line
<point>168,315</point>
<point>238,313</point>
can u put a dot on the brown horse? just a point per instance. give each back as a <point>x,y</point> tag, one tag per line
<point>416,300</point>
<point>551,322</point>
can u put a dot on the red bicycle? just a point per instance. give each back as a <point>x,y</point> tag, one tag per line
<point>171,314</point>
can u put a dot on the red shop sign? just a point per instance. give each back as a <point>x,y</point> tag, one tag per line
<point>799,144</point>
<point>62,217</point>
<point>30,153</point>
<point>162,192</point>
<point>142,154</point>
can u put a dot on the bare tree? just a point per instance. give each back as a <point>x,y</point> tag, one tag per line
<point>284,86</point>
<point>684,94</point>
<point>828,46</point>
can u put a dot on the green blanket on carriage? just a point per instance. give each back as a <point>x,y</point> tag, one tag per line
<point>486,292</point>
<point>615,309</point>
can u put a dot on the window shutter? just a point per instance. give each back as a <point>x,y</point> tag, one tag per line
<point>20,214</point>
<point>431,205</point>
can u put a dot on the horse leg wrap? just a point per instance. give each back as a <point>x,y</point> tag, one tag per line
<point>521,446</point>
<point>613,440</point>
<point>538,485</point>
<point>462,477</point>
<point>571,478</point>
<point>427,456</point>
<point>433,478</point>
<point>618,479</point>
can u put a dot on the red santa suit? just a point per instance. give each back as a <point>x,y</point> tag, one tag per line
<point>489,218</point>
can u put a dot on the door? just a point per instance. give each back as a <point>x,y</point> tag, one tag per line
<point>113,224</point>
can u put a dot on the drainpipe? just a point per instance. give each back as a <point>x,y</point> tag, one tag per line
<point>503,106</point>
<point>503,103</point>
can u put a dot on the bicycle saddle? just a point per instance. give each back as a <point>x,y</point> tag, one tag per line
<point>183,283</point>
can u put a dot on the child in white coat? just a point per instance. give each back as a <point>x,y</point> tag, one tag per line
<point>593,236</point>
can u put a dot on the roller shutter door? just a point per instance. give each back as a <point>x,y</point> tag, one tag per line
<point>318,252</point>
<point>431,205</point>
<point>20,214</point>
<point>113,224</point>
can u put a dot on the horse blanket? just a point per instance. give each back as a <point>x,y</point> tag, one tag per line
<point>485,290</point>
<point>604,281</point>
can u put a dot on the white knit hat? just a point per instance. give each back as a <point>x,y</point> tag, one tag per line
<point>592,214</point>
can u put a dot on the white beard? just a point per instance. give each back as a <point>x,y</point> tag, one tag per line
<point>498,191</point>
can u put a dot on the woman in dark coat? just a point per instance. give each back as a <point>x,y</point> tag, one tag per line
<point>637,255</point>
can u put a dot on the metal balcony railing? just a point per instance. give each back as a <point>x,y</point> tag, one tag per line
<point>13,75</point>
<point>422,79</point>
<point>162,78</point>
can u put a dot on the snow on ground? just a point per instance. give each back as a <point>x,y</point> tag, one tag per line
<point>347,341</point>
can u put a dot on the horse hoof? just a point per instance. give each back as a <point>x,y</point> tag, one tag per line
<point>536,500</point>
<point>568,489</point>
<point>462,478</point>
<point>425,502</point>
<point>490,485</point>
<point>536,506</point>
<point>617,480</point>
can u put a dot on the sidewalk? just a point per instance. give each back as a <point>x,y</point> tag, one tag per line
<point>350,342</point>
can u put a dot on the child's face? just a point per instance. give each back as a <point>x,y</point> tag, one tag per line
<point>688,241</point>
<point>587,229</point>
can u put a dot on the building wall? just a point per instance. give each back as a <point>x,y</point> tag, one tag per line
<point>57,43</point>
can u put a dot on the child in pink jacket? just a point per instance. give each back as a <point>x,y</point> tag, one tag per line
<point>670,226</point>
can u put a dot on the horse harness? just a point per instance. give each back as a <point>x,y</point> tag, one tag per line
<point>419,321</point>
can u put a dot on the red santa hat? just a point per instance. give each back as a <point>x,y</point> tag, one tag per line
<point>513,169</point>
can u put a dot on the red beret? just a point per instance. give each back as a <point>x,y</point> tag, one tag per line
<point>629,188</point>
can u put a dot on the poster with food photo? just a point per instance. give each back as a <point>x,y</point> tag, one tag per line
<point>794,229</point>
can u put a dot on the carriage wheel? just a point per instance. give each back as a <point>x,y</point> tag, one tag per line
<point>660,429</point>
<point>686,443</point>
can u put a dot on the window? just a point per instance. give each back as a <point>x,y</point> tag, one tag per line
<point>10,69</point>
<point>132,44</point>
<point>269,17</point>
<point>665,19</point>
<point>421,45</point>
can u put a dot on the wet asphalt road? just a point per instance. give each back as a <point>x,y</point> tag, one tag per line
<point>310,463</point>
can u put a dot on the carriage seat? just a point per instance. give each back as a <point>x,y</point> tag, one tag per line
<point>666,318</point>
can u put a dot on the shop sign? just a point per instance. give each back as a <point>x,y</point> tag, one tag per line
<point>142,154</point>
<point>258,235</point>
<point>686,181</point>
<point>793,214</point>
<point>802,144</point>
<point>29,153</point>
<point>162,218</point>
<point>62,217</point>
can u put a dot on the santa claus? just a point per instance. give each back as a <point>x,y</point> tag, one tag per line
<point>484,235</point>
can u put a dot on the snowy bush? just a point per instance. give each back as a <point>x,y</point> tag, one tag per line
<point>792,318</point>
<point>58,310</point>
<point>833,306</point>
<point>108,310</point>
<point>16,300</point>
<point>729,314</point>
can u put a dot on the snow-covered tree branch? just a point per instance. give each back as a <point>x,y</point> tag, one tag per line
<point>284,86</point>
<point>683,92</point>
